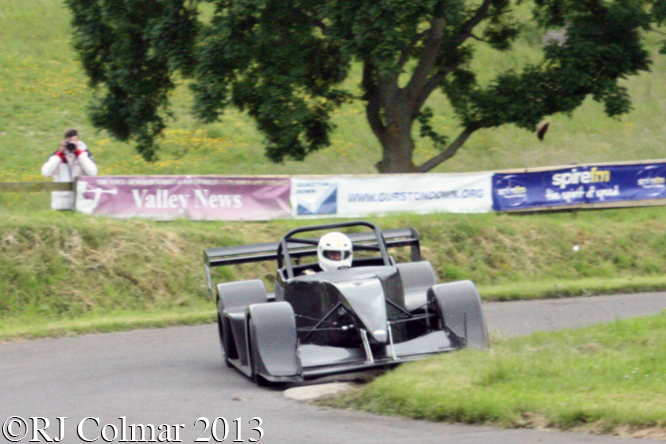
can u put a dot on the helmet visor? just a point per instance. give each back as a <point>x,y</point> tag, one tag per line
<point>336,255</point>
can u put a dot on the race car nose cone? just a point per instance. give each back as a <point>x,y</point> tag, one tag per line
<point>366,300</point>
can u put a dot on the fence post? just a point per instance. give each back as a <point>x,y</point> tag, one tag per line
<point>33,187</point>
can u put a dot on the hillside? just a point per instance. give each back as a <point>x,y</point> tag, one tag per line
<point>44,92</point>
<point>61,268</point>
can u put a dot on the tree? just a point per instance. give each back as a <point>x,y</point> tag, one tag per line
<point>284,64</point>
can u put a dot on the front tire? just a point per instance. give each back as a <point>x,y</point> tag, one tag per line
<point>256,378</point>
<point>224,340</point>
<point>459,307</point>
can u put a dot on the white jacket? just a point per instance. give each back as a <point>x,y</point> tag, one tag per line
<point>62,171</point>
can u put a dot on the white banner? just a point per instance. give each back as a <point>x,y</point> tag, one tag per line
<point>418,193</point>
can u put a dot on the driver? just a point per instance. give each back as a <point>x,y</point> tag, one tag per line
<point>334,251</point>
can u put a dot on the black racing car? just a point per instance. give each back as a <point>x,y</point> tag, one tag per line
<point>315,323</point>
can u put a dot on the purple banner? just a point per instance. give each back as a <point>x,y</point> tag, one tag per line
<point>189,197</point>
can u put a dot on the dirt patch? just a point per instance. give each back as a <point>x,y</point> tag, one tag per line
<point>624,431</point>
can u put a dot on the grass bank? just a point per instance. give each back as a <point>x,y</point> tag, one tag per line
<point>607,378</point>
<point>60,267</point>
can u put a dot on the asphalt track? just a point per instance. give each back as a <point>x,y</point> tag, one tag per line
<point>170,378</point>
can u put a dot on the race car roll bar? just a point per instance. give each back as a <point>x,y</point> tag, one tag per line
<point>284,250</point>
<point>242,254</point>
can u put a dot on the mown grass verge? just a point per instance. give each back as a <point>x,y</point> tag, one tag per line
<point>578,287</point>
<point>37,327</point>
<point>607,378</point>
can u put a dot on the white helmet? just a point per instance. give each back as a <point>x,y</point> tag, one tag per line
<point>334,251</point>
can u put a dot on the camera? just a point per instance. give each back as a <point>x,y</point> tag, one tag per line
<point>70,146</point>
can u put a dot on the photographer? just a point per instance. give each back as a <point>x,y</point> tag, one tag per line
<point>71,160</point>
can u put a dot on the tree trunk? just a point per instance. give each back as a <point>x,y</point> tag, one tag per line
<point>395,137</point>
<point>397,148</point>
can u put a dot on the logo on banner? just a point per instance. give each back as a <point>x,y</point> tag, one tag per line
<point>315,198</point>
<point>86,205</point>
<point>512,191</point>
<point>575,177</point>
<point>650,181</point>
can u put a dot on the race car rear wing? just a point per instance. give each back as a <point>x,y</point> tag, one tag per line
<point>242,254</point>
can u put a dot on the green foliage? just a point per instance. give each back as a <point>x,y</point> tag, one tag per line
<point>285,64</point>
<point>425,118</point>
<point>267,59</point>
<point>118,46</point>
<point>595,54</point>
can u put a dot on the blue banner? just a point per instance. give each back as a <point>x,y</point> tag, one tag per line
<point>579,185</point>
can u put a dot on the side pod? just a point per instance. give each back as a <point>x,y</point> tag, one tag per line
<point>459,306</point>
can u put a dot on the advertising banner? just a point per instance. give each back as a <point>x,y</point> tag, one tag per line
<point>418,193</point>
<point>190,197</point>
<point>579,185</point>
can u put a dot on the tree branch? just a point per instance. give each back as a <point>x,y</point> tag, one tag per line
<point>422,84</point>
<point>428,58</point>
<point>373,107</point>
<point>404,54</point>
<point>468,27</point>
<point>477,38</point>
<point>447,153</point>
<point>428,88</point>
